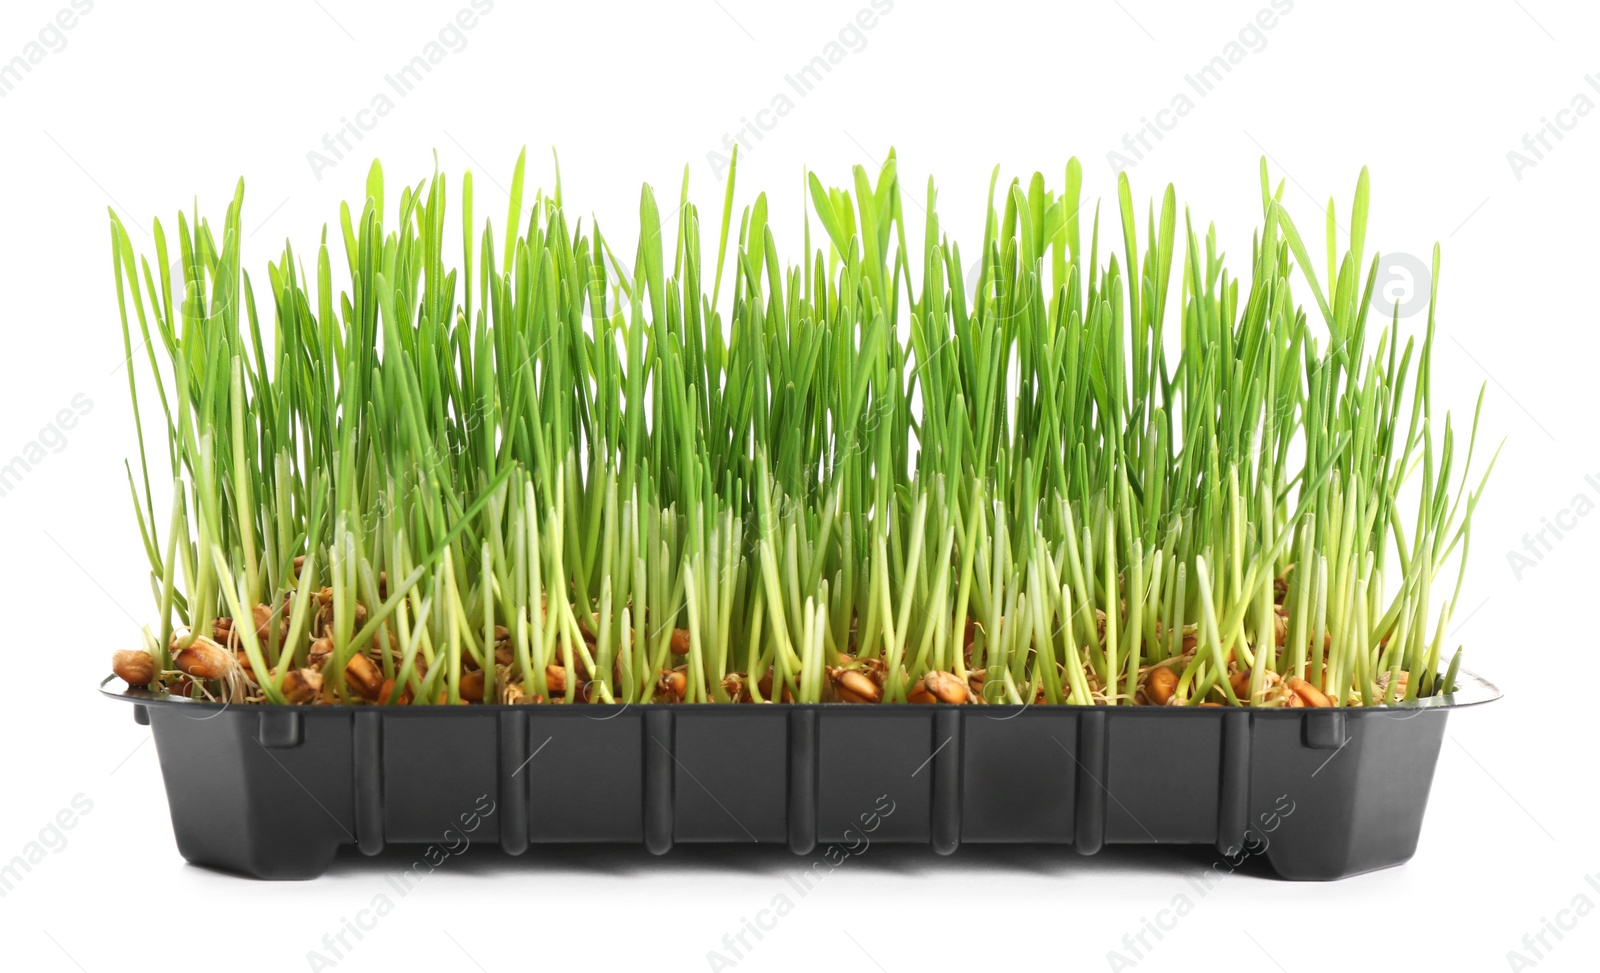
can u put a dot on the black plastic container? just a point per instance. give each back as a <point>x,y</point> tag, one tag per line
<point>1316,793</point>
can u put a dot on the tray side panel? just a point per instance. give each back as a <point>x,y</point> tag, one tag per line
<point>434,772</point>
<point>278,812</point>
<point>1162,777</point>
<point>1391,795</point>
<point>1320,813</point>
<point>587,777</point>
<point>872,760</point>
<point>1019,780</point>
<point>732,772</point>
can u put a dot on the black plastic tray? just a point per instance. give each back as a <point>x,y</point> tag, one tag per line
<point>1317,793</point>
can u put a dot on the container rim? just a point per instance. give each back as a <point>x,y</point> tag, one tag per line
<point>1471,690</point>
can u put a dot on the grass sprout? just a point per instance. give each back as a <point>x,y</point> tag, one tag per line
<point>1101,476</point>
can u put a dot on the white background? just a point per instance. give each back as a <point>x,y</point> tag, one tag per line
<point>147,108</point>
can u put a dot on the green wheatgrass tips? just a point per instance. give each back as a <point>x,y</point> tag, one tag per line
<point>1097,475</point>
